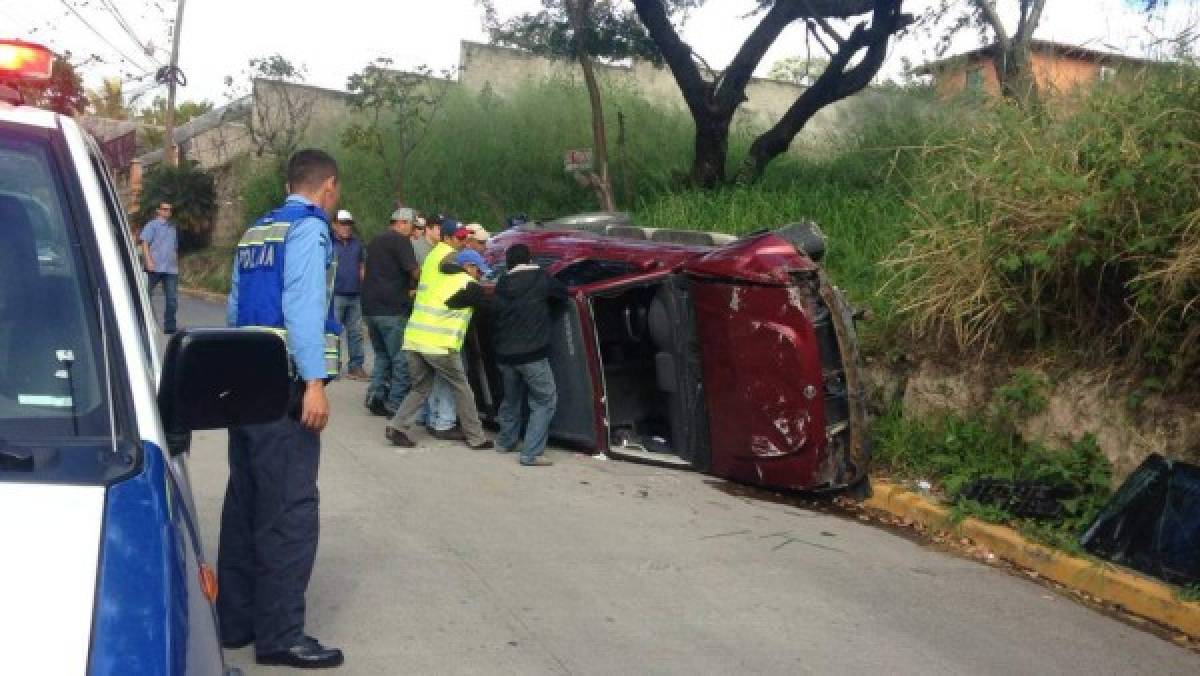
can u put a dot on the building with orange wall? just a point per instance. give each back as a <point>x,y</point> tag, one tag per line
<point>1058,69</point>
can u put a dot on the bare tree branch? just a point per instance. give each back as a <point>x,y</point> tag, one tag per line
<point>988,9</point>
<point>824,24</point>
<point>676,53</point>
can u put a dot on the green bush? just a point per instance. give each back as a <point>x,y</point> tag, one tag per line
<point>952,451</point>
<point>1076,226</point>
<point>193,195</point>
<point>262,189</point>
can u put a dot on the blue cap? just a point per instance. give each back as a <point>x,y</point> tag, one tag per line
<point>473,257</point>
<point>450,227</point>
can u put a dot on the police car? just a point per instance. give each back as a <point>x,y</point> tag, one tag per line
<point>101,565</point>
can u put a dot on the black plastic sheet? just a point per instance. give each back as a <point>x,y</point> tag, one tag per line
<point>1152,523</point>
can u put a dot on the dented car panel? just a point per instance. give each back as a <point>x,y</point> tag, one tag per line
<point>759,358</point>
<point>736,358</point>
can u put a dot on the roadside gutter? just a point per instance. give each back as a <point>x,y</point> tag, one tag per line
<point>1107,582</point>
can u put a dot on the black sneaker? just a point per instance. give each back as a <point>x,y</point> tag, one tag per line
<point>377,407</point>
<point>398,438</point>
<point>452,434</point>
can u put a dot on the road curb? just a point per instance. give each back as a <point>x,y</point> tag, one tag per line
<point>1135,593</point>
<point>203,294</point>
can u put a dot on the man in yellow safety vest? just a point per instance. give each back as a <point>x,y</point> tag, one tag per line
<point>433,341</point>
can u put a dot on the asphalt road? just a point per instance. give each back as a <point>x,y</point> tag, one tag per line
<point>444,560</point>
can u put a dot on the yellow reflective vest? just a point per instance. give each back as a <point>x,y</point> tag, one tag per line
<point>432,324</point>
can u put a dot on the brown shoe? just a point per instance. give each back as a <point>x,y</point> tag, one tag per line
<point>484,445</point>
<point>357,373</point>
<point>398,438</point>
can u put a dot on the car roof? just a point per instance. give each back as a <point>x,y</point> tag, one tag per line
<point>29,116</point>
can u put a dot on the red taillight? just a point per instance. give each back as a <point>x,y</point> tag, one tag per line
<point>25,61</point>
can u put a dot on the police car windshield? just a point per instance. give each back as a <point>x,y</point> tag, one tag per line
<point>51,366</point>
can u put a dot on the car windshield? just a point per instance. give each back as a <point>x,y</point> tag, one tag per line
<point>51,368</point>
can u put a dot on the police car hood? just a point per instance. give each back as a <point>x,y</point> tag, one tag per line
<point>49,551</point>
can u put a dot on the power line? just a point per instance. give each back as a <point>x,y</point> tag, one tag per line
<point>124,24</point>
<point>100,35</point>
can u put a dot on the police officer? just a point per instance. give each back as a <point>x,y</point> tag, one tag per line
<point>269,522</point>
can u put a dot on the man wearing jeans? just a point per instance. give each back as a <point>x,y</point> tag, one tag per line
<point>160,251</point>
<point>391,279</point>
<point>347,287</point>
<point>521,312</point>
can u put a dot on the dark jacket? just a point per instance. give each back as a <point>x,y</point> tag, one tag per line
<point>520,312</point>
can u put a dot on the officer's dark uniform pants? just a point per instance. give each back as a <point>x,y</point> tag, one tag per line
<point>268,532</point>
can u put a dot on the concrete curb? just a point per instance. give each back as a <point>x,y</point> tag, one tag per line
<point>1135,593</point>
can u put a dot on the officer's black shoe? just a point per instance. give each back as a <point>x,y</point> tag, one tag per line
<point>377,407</point>
<point>308,654</point>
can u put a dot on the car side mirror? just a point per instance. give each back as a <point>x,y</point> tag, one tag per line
<point>218,378</point>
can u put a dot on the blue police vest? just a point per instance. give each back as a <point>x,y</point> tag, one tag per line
<point>260,262</point>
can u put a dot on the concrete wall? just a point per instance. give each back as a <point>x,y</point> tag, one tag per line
<point>504,71</point>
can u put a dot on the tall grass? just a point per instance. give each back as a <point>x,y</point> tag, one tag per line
<point>1077,226</point>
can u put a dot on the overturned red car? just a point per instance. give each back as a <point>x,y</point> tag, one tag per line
<point>733,356</point>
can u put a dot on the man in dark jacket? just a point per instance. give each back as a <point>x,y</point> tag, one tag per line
<point>521,311</point>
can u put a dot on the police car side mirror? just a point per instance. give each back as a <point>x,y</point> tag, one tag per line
<point>218,378</point>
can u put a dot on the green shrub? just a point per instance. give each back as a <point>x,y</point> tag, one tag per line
<point>1076,226</point>
<point>262,190</point>
<point>193,195</point>
<point>952,451</point>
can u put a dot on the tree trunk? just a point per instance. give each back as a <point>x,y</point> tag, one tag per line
<point>1014,70</point>
<point>712,150</point>
<point>578,10</point>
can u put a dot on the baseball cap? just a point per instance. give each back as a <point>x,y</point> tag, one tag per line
<point>404,214</point>
<point>473,257</point>
<point>517,220</point>
<point>451,228</point>
<point>344,216</point>
<point>420,223</point>
<point>477,232</point>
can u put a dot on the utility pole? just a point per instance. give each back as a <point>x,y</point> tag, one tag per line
<point>170,154</point>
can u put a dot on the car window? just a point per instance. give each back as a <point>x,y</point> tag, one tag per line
<point>50,360</point>
<point>590,271</point>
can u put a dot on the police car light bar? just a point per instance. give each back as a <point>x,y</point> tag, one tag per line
<point>25,62</point>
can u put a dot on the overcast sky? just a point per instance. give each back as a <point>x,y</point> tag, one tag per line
<point>335,38</point>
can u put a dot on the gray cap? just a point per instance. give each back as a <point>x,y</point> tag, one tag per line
<point>405,214</point>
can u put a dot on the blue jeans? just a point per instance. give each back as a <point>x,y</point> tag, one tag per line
<point>529,385</point>
<point>389,375</point>
<point>347,310</point>
<point>170,285</point>
<point>439,413</point>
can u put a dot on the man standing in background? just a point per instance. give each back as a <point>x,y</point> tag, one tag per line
<point>160,254</point>
<point>347,287</point>
<point>431,234</point>
<point>387,291</point>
